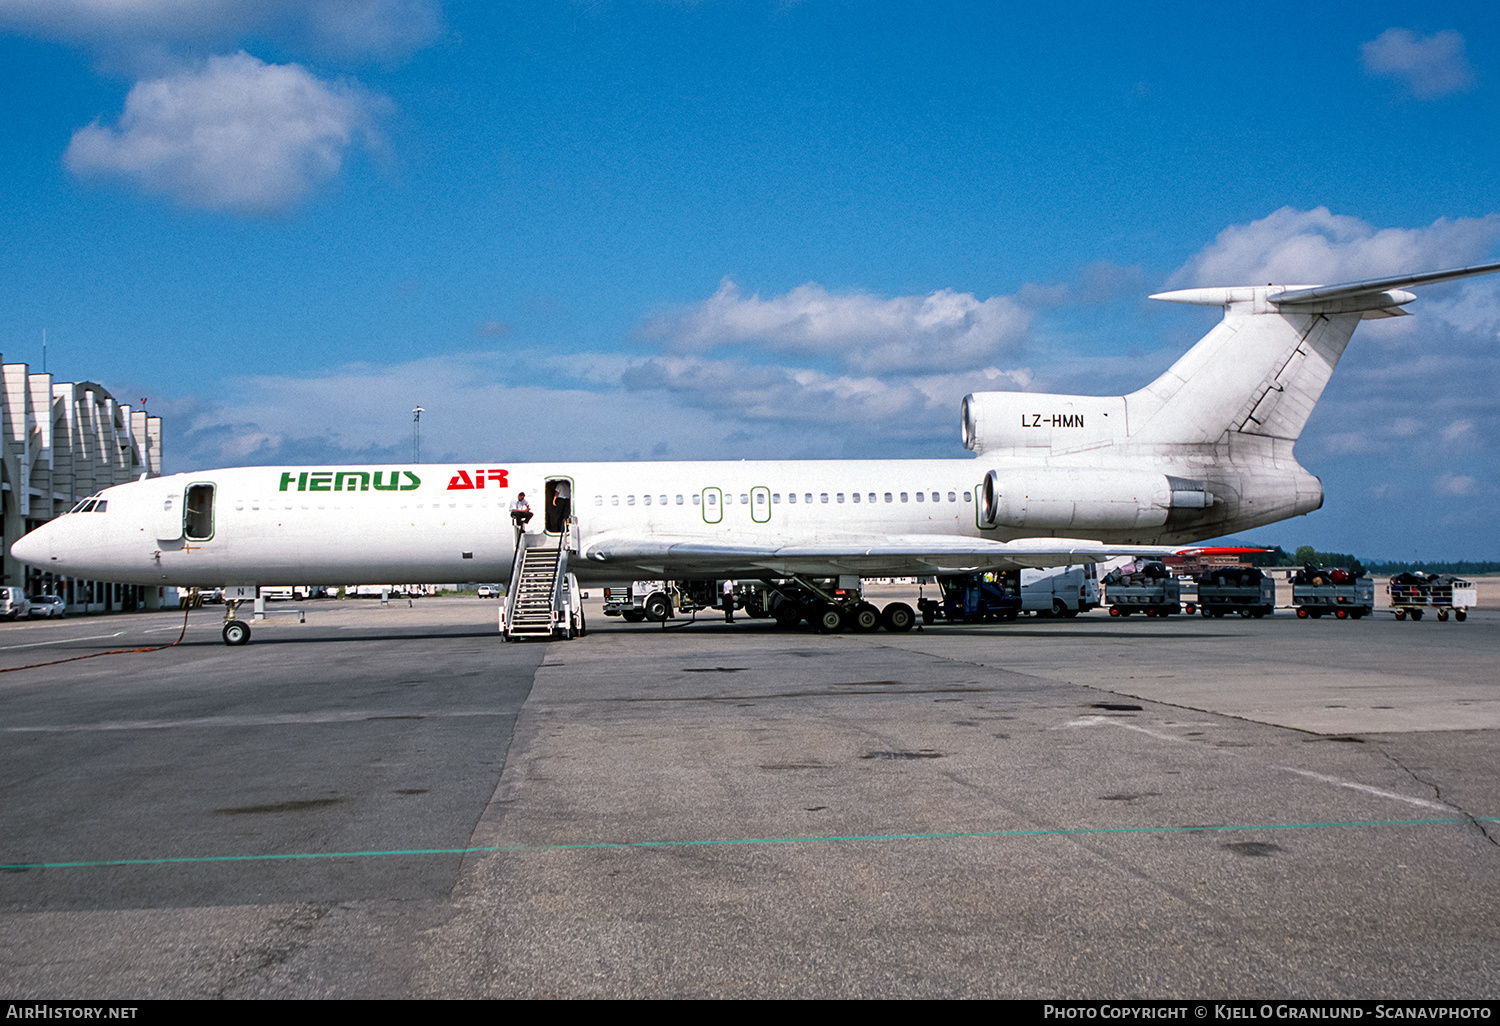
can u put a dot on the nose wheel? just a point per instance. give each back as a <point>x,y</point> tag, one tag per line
<point>236,632</point>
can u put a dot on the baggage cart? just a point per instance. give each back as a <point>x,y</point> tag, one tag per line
<point>1349,600</point>
<point>1411,596</point>
<point>1160,596</point>
<point>1245,591</point>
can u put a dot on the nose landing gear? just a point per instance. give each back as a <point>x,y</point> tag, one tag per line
<point>236,631</point>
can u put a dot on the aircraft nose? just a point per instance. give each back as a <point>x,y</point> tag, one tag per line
<point>33,548</point>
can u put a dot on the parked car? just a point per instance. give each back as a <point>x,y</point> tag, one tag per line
<point>489,591</point>
<point>47,607</point>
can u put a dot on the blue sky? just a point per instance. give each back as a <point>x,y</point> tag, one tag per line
<point>626,230</point>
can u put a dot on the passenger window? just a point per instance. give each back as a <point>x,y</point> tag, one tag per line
<point>903,496</point>
<point>614,500</point>
<point>952,497</point>
<point>695,500</point>
<point>921,496</point>
<point>887,496</point>
<point>199,514</point>
<point>663,499</point>
<point>807,497</point>
<point>744,500</point>
<point>775,496</point>
<point>630,500</point>
<point>968,497</point>
<point>840,497</point>
<point>855,496</point>
<point>872,496</point>
<point>646,500</point>
<point>598,500</point>
<point>825,496</point>
<point>791,496</point>
<point>713,499</point>
<point>760,498</point>
<point>679,500</point>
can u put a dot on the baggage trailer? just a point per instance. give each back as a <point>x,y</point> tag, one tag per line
<point>1149,588</point>
<point>1350,600</point>
<point>1242,590</point>
<point>1411,595</point>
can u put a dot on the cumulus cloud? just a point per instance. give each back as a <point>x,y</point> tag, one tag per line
<point>235,134</point>
<point>1431,66</point>
<point>867,333</point>
<point>1314,247</point>
<point>132,29</point>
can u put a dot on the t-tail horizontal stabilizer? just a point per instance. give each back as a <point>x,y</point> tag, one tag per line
<point>1376,297</point>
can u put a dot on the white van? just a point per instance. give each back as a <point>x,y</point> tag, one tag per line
<point>1060,590</point>
<point>14,603</point>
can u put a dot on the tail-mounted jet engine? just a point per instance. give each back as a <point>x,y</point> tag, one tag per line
<point>1091,498</point>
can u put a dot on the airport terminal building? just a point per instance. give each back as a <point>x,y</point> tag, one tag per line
<point>64,441</point>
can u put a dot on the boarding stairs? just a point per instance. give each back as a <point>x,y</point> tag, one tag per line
<point>537,601</point>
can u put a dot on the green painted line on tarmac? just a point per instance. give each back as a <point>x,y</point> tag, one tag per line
<point>16,867</point>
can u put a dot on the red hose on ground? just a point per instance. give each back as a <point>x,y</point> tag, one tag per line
<point>114,651</point>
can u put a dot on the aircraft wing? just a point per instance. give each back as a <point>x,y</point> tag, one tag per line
<point>868,556</point>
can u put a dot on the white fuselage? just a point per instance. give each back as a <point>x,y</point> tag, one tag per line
<point>446,522</point>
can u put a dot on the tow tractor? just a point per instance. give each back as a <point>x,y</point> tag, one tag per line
<point>973,598</point>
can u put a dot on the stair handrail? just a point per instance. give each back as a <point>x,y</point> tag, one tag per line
<point>512,589</point>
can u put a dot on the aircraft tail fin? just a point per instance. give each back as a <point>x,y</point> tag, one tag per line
<point>1256,375</point>
<point>1261,370</point>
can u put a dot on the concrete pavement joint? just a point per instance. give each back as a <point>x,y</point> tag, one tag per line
<point>20,867</point>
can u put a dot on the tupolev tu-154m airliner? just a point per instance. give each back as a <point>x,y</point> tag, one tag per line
<point>1203,451</point>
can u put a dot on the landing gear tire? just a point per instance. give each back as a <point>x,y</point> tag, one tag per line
<point>236,632</point>
<point>656,608</point>
<point>898,617</point>
<point>633,616</point>
<point>829,619</point>
<point>866,618</point>
<point>788,615</point>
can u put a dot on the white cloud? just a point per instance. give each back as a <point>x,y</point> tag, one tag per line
<point>1456,484</point>
<point>1315,247</point>
<point>1459,430</point>
<point>867,333</point>
<point>236,134</point>
<point>132,27</point>
<point>1431,66</point>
